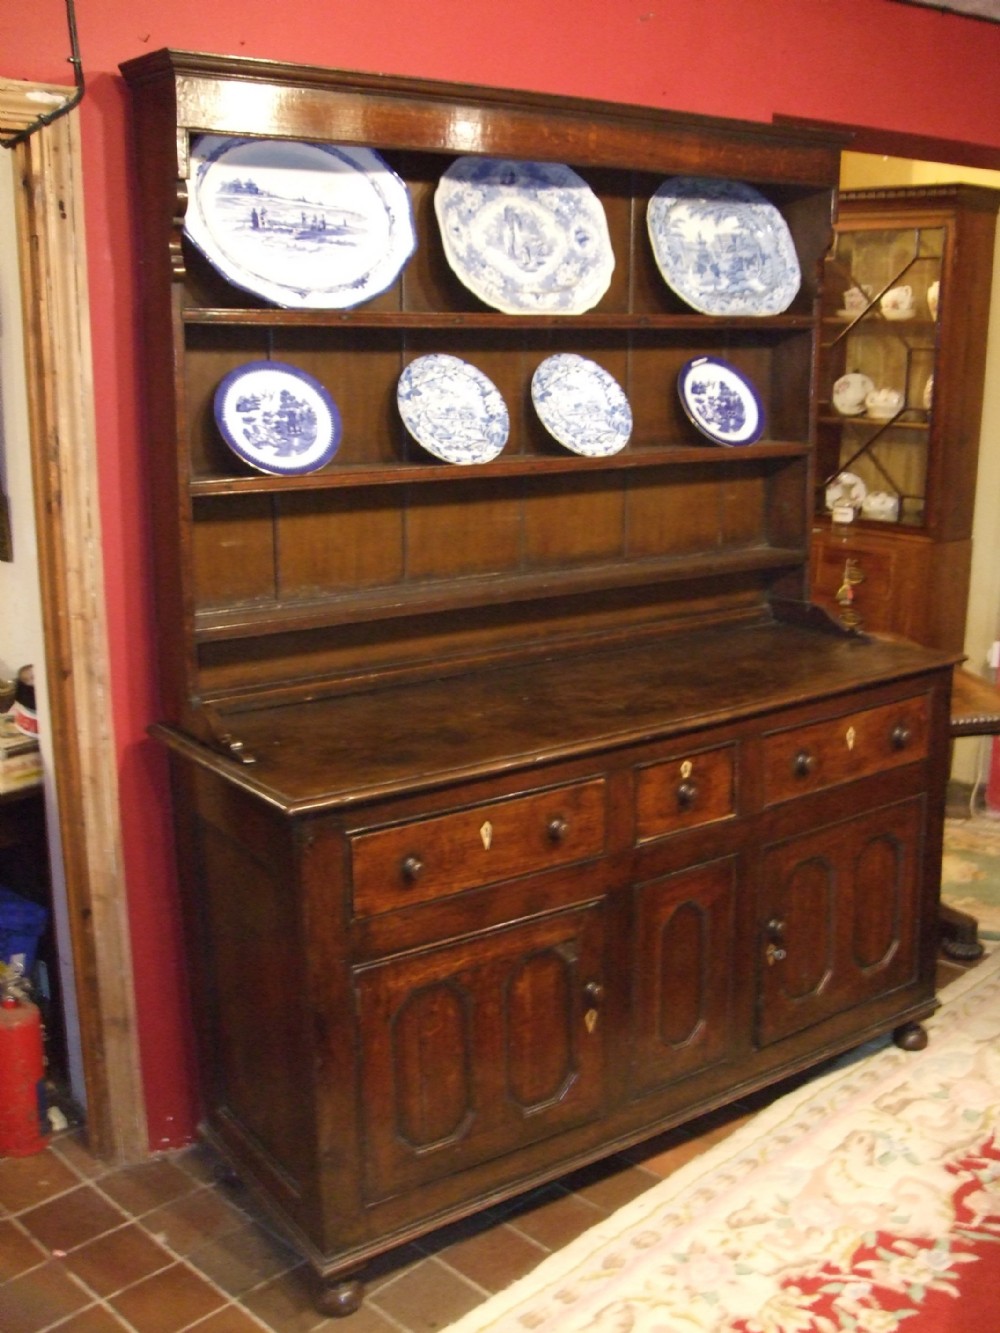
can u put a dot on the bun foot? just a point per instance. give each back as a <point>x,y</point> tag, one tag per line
<point>340,1296</point>
<point>910,1037</point>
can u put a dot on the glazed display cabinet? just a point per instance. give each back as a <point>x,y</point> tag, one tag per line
<point>906,295</point>
<point>525,804</point>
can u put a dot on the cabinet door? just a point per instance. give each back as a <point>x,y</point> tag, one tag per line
<point>682,1018</point>
<point>473,1049</point>
<point>838,917</point>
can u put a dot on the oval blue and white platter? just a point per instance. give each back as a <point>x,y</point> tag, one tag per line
<point>722,247</point>
<point>452,409</point>
<point>299,224</point>
<point>527,238</point>
<point>720,401</point>
<point>581,405</point>
<point>277,418</point>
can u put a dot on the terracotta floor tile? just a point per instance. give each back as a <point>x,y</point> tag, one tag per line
<point>18,1252</point>
<point>611,1184</point>
<point>494,1258</point>
<point>288,1303</point>
<point>554,1218</point>
<point>242,1259</point>
<point>140,1189</point>
<point>230,1319</point>
<point>95,1319</point>
<point>27,1181</point>
<point>72,1219</point>
<point>427,1297</point>
<point>38,1298</point>
<point>117,1259</point>
<point>72,1148</point>
<point>168,1301</point>
<point>189,1222</point>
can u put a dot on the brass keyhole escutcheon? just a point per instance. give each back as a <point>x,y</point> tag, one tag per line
<point>687,768</point>
<point>486,833</point>
<point>590,1020</point>
<point>850,737</point>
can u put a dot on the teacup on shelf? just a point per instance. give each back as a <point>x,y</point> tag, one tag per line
<point>850,391</point>
<point>856,300</point>
<point>881,505</point>
<point>897,303</point>
<point>883,403</point>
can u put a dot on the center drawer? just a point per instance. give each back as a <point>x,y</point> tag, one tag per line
<point>841,749</point>
<point>463,849</point>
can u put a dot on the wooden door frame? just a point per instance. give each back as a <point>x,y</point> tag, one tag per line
<point>53,268</point>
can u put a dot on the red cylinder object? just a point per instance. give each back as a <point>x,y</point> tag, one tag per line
<point>23,1120</point>
<point>993,784</point>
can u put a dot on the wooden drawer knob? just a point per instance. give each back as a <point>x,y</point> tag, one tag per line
<point>557,829</point>
<point>687,794</point>
<point>803,764</point>
<point>900,736</point>
<point>411,869</point>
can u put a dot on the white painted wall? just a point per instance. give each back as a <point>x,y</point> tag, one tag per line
<point>21,633</point>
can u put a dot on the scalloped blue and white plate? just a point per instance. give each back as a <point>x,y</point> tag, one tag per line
<point>722,247</point>
<point>720,401</point>
<point>581,405</point>
<point>527,238</point>
<point>452,409</point>
<point>299,224</point>
<point>277,418</point>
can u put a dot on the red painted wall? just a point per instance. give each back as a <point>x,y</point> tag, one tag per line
<point>877,63</point>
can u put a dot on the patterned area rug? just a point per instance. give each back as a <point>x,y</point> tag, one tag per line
<point>970,871</point>
<point>868,1200</point>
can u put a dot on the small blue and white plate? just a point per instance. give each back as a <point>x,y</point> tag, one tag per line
<point>722,247</point>
<point>527,238</point>
<point>277,418</point>
<point>452,409</point>
<point>581,405</point>
<point>299,224</point>
<point>720,401</point>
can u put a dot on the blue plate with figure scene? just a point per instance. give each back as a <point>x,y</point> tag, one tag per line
<point>722,247</point>
<point>452,409</point>
<point>299,224</point>
<point>277,418</point>
<point>581,405</point>
<point>721,401</point>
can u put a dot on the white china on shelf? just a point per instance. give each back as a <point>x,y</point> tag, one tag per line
<point>927,398</point>
<point>883,403</point>
<point>857,298</point>
<point>277,418</point>
<point>720,401</point>
<point>525,237</point>
<point>897,303</point>
<point>722,247</point>
<point>846,489</point>
<point>452,409</point>
<point>299,224</point>
<point>933,297</point>
<point>581,405</point>
<point>881,505</point>
<point>850,391</point>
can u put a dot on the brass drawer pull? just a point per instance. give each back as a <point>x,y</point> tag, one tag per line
<point>411,869</point>
<point>557,828</point>
<point>687,794</point>
<point>803,764</point>
<point>900,736</point>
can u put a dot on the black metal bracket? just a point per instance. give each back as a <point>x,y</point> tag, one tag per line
<point>46,118</point>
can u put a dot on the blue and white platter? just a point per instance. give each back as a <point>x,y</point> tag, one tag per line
<point>720,401</point>
<point>452,409</point>
<point>277,418</point>
<point>722,247</point>
<point>581,405</point>
<point>299,224</point>
<point>527,238</point>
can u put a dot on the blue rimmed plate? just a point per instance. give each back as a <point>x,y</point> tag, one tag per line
<point>277,418</point>
<point>720,401</point>
<point>299,224</point>
<point>527,238</point>
<point>452,409</point>
<point>722,247</point>
<point>581,405</point>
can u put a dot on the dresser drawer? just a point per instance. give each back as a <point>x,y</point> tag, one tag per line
<point>684,791</point>
<point>806,759</point>
<point>430,858</point>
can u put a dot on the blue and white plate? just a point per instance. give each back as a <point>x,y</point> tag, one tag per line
<point>276,418</point>
<point>452,409</point>
<point>581,405</point>
<point>722,247</point>
<point>720,401</point>
<point>299,224</point>
<point>527,238</point>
